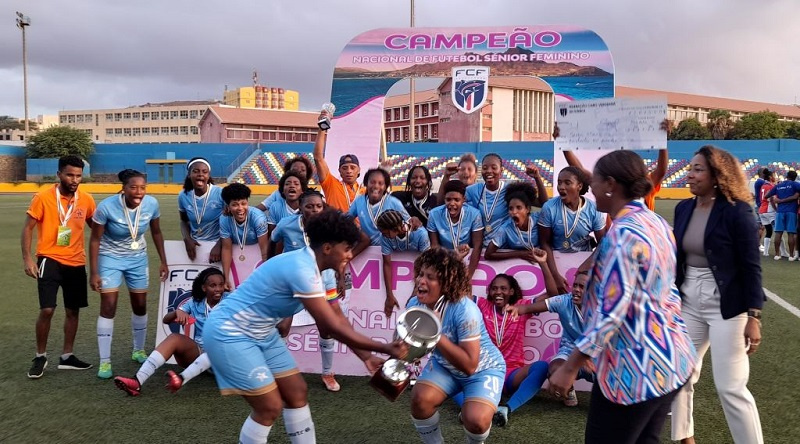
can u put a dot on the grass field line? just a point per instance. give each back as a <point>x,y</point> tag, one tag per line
<point>780,301</point>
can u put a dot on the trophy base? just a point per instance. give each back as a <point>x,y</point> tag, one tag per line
<point>389,389</point>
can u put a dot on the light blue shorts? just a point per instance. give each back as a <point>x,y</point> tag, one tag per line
<point>786,222</point>
<point>114,269</point>
<point>244,366</point>
<point>484,386</point>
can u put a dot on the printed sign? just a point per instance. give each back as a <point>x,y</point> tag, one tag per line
<point>366,301</point>
<point>470,87</point>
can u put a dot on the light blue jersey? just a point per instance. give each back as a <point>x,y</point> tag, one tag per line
<point>271,293</point>
<point>117,240</point>
<point>512,238</point>
<point>279,210</point>
<point>416,240</point>
<point>290,230</point>
<point>492,207</point>
<point>256,227</point>
<point>571,320</point>
<point>203,212</point>
<point>367,214</point>
<point>199,311</point>
<point>459,233</point>
<point>589,220</point>
<point>272,198</point>
<point>462,322</point>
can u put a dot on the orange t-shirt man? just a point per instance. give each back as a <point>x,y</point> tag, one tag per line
<point>338,194</point>
<point>45,212</point>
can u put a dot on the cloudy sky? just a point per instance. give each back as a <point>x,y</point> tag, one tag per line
<point>110,53</point>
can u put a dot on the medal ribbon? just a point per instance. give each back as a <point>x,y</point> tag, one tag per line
<point>133,227</point>
<point>374,217</point>
<point>419,203</point>
<point>455,235</point>
<point>356,187</point>
<point>527,243</point>
<point>241,241</point>
<point>501,331</point>
<point>63,216</point>
<point>567,234</point>
<point>198,216</point>
<point>489,212</point>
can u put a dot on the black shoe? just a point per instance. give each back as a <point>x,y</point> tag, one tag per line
<point>37,369</point>
<point>73,363</point>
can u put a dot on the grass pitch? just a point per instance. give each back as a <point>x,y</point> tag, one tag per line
<point>72,406</point>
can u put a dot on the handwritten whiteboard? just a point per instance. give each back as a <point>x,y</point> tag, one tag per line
<point>611,124</point>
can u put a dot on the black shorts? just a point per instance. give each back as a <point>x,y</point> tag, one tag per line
<point>72,280</point>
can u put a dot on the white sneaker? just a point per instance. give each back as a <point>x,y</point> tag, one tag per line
<point>793,258</point>
<point>761,248</point>
<point>777,258</point>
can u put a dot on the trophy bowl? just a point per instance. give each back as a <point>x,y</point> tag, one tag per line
<point>420,329</point>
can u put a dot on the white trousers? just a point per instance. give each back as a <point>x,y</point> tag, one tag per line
<point>731,367</point>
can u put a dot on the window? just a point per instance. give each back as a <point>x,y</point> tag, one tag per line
<point>117,117</point>
<point>154,131</point>
<point>126,132</point>
<point>137,132</point>
<point>79,118</point>
<point>109,116</point>
<point>118,132</point>
<point>173,114</point>
<point>387,115</point>
<point>184,131</point>
<point>154,115</point>
<point>405,134</point>
<point>146,131</point>
<point>424,107</point>
<point>164,115</point>
<point>126,116</point>
<point>146,116</point>
<point>71,118</point>
<point>434,109</point>
<point>434,131</point>
<point>109,132</point>
<point>397,114</point>
<point>135,116</point>
<point>396,135</point>
<point>405,112</point>
<point>195,130</point>
<point>164,130</point>
<point>62,119</point>
<point>184,114</point>
<point>193,114</point>
<point>88,118</point>
<point>388,135</point>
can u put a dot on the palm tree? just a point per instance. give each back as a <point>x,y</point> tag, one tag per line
<point>719,123</point>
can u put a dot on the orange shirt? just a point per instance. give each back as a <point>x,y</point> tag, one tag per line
<point>43,209</point>
<point>335,195</point>
<point>650,199</point>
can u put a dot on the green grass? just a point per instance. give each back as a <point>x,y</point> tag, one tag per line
<point>68,406</point>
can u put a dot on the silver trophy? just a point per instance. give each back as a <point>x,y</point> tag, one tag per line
<point>420,329</point>
<point>324,122</point>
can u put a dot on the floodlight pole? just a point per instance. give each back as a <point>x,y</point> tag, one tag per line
<point>22,23</point>
<point>411,104</point>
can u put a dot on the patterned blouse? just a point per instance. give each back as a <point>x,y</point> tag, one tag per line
<point>634,330</point>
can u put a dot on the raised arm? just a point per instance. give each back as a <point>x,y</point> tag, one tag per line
<point>319,154</point>
<point>657,176</point>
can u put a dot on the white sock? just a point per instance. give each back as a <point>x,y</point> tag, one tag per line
<point>39,355</point>
<point>767,241</point>
<point>326,346</point>
<point>428,429</point>
<point>299,426</point>
<point>139,324</point>
<point>477,439</point>
<point>253,432</point>
<point>66,356</point>
<point>201,364</point>
<point>105,332</point>
<point>154,361</point>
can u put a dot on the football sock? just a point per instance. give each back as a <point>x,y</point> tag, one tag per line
<point>105,331</point>
<point>201,364</point>
<point>299,426</point>
<point>428,429</point>
<point>139,324</point>
<point>153,362</point>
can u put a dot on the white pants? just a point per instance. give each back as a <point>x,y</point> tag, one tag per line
<point>731,367</point>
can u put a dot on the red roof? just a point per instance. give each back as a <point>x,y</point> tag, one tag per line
<point>272,117</point>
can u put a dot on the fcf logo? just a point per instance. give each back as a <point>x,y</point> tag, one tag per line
<point>469,87</point>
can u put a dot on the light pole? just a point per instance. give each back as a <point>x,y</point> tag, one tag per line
<point>23,22</point>
<point>411,104</point>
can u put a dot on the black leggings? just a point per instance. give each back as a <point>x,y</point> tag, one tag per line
<point>639,423</point>
<point>768,227</point>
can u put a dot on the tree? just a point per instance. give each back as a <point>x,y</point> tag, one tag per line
<point>761,125</point>
<point>791,130</point>
<point>690,129</point>
<point>60,141</point>
<point>719,124</point>
<point>12,123</point>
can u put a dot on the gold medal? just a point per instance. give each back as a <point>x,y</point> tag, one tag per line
<point>134,245</point>
<point>241,257</point>
<point>199,230</point>
<point>488,228</point>
<point>566,245</point>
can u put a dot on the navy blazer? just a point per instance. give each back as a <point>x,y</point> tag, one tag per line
<point>731,244</point>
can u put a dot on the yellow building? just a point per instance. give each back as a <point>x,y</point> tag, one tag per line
<point>263,97</point>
